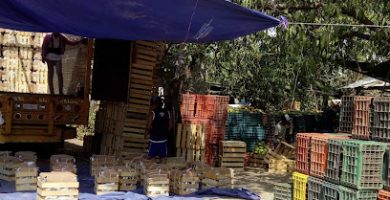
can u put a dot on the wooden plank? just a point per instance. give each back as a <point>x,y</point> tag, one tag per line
<point>144,62</point>
<point>139,86</point>
<point>137,110</point>
<point>140,96</point>
<point>136,145</point>
<point>137,101</point>
<point>142,72</point>
<point>143,92</point>
<point>146,82</point>
<point>146,51</point>
<point>143,66</point>
<point>139,136</point>
<point>146,43</point>
<point>134,130</point>
<point>147,57</point>
<point>132,122</point>
<point>178,135</point>
<point>144,107</point>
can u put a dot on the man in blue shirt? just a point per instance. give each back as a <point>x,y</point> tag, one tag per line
<point>158,127</point>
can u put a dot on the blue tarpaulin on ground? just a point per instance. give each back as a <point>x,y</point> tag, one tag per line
<point>167,20</point>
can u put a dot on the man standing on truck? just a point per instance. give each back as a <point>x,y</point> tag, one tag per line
<point>53,48</point>
<point>158,127</point>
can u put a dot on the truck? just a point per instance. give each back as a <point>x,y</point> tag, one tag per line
<point>28,112</point>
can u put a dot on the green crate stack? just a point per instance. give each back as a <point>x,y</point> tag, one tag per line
<point>386,168</point>
<point>283,191</point>
<point>330,191</point>
<point>352,194</point>
<point>362,164</point>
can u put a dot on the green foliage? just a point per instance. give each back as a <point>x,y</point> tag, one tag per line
<point>300,63</point>
<point>261,149</point>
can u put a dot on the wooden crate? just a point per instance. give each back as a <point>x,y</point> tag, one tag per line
<point>26,177</point>
<point>217,177</point>
<point>183,182</point>
<point>286,150</point>
<point>5,153</point>
<point>128,179</point>
<point>62,163</point>
<point>190,141</point>
<point>57,185</point>
<point>99,161</point>
<point>279,164</point>
<point>232,154</point>
<point>8,166</point>
<point>156,184</point>
<point>106,181</point>
<point>177,162</point>
<point>26,156</point>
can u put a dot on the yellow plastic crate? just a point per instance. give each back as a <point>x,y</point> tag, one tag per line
<point>300,182</point>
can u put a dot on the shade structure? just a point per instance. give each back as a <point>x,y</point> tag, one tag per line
<point>154,20</point>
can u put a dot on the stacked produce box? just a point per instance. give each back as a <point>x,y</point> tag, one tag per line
<point>232,154</point>
<point>57,185</point>
<point>210,111</point>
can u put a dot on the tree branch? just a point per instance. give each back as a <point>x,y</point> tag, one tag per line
<point>378,71</point>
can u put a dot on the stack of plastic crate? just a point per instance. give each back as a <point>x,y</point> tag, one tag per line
<point>346,193</point>
<point>383,195</point>
<point>303,151</point>
<point>380,130</point>
<point>346,114</point>
<point>362,164</point>
<point>319,153</point>
<point>330,191</point>
<point>361,117</point>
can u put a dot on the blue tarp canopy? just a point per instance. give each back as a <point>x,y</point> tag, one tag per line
<point>155,20</point>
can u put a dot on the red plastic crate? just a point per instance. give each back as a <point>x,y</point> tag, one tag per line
<point>361,117</point>
<point>187,105</point>
<point>383,195</point>
<point>303,152</point>
<point>319,153</point>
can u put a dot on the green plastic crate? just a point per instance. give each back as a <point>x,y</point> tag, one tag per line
<point>362,164</point>
<point>352,194</point>
<point>283,191</point>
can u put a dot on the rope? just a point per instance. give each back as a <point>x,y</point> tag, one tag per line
<point>342,25</point>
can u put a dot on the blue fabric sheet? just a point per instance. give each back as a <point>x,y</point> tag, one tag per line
<point>154,20</point>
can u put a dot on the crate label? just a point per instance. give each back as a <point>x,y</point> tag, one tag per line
<point>29,106</point>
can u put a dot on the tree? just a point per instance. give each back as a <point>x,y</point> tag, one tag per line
<point>298,63</point>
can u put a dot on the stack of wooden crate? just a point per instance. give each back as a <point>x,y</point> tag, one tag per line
<point>57,185</point>
<point>128,178</point>
<point>22,69</point>
<point>8,166</point>
<point>126,134</point>
<point>26,177</point>
<point>106,181</point>
<point>156,183</point>
<point>183,182</point>
<point>26,156</point>
<point>232,154</point>
<point>62,162</point>
<point>217,177</point>
<point>190,141</point>
<point>102,161</point>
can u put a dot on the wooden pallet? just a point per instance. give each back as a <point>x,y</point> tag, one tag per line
<point>57,185</point>
<point>232,154</point>
<point>278,164</point>
<point>63,163</point>
<point>183,182</point>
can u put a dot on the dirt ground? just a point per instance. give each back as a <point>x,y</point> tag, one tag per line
<point>254,179</point>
